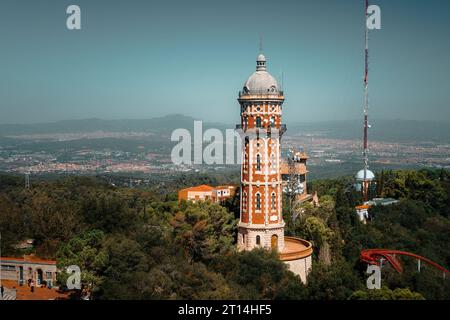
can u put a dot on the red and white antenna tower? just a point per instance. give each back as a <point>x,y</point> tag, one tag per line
<point>366,94</point>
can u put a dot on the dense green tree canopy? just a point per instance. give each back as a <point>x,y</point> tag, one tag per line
<point>138,244</point>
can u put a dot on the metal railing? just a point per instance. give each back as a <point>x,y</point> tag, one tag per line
<point>261,93</point>
<point>282,128</point>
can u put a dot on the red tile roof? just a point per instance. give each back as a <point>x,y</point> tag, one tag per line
<point>202,187</point>
<point>31,259</point>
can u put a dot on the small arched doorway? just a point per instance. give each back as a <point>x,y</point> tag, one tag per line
<point>40,277</point>
<point>274,242</point>
<point>21,280</point>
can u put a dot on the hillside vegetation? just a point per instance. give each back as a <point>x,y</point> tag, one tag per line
<point>138,244</point>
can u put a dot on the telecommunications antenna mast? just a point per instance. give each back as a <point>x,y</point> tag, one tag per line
<point>366,93</point>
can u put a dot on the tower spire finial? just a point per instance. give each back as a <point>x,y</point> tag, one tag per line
<point>261,60</point>
<point>260,44</point>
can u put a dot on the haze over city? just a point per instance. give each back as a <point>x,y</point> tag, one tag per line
<point>142,59</point>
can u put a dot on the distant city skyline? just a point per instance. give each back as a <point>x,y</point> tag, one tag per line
<point>218,121</point>
<point>145,59</point>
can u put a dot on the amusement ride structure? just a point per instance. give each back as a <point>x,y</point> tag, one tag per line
<point>377,256</point>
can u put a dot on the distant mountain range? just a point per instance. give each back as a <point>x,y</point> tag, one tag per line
<point>163,124</point>
<point>381,130</point>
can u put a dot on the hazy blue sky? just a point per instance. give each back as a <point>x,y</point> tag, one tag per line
<point>141,59</point>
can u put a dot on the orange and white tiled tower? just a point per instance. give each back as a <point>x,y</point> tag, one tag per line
<point>261,221</point>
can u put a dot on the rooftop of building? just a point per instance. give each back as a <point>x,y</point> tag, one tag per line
<point>202,187</point>
<point>24,292</point>
<point>377,202</point>
<point>27,259</point>
<point>295,248</point>
<point>25,244</point>
<point>205,188</point>
<point>382,201</point>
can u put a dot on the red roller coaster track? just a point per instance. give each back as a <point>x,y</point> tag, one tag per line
<point>374,256</point>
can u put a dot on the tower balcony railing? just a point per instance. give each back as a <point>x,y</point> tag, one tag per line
<point>283,127</point>
<point>269,129</point>
<point>264,94</point>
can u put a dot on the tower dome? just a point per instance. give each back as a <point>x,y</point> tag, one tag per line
<point>261,81</point>
<point>360,175</point>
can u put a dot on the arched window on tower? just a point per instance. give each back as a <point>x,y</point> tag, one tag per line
<point>246,143</point>
<point>258,122</point>
<point>273,163</point>
<point>244,201</point>
<point>258,162</point>
<point>274,201</point>
<point>245,162</point>
<point>258,201</point>
<point>258,240</point>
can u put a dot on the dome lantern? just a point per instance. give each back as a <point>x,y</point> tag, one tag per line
<point>261,63</point>
<point>261,82</point>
